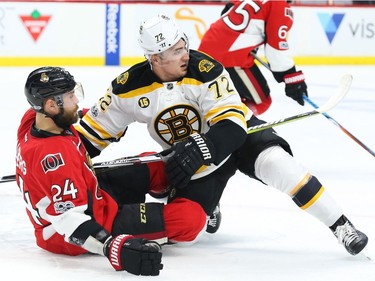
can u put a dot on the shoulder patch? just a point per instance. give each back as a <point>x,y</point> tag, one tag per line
<point>205,65</point>
<point>202,67</point>
<point>122,78</point>
<point>138,76</point>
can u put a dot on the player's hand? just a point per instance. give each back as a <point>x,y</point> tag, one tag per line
<point>295,86</point>
<point>135,255</point>
<point>186,157</point>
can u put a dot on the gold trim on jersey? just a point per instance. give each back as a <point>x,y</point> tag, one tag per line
<point>140,91</point>
<point>87,135</point>
<point>99,130</point>
<point>226,113</point>
<point>191,81</point>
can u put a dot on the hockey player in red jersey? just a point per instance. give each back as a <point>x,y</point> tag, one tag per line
<point>70,212</point>
<point>193,110</point>
<point>242,28</point>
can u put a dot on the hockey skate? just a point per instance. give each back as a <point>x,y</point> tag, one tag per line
<point>214,221</point>
<point>353,240</point>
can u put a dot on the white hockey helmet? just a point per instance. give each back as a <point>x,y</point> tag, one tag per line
<point>158,34</point>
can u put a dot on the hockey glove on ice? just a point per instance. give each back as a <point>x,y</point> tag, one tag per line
<point>186,157</point>
<point>295,86</point>
<point>135,255</point>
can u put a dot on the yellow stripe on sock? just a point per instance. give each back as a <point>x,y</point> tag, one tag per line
<point>313,200</point>
<point>299,185</point>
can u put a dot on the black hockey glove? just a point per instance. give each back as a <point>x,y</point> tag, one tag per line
<point>295,86</point>
<point>186,157</point>
<point>135,255</point>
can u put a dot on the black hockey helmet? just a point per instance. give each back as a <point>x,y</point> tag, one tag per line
<point>46,82</point>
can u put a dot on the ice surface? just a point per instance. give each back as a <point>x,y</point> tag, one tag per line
<point>263,235</point>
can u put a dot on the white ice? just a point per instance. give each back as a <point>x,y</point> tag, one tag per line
<point>263,235</point>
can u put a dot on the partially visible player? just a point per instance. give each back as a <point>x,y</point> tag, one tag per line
<point>71,213</point>
<point>243,27</point>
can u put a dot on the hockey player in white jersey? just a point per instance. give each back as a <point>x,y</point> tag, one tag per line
<point>193,110</point>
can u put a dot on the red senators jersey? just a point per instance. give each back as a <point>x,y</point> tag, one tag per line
<point>246,26</point>
<point>58,185</point>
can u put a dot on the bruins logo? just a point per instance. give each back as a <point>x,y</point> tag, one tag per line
<point>122,78</point>
<point>177,123</point>
<point>205,65</point>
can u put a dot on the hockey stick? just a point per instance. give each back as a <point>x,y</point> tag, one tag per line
<point>124,161</point>
<point>8,178</point>
<point>128,161</point>
<point>344,87</point>
<point>308,100</point>
<point>134,160</point>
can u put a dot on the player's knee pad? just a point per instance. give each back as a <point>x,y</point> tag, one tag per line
<point>184,220</point>
<point>144,220</point>
<point>256,149</point>
<point>277,168</point>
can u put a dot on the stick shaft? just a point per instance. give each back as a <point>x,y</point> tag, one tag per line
<point>350,135</point>
<point>268,125</point>
<point>125,161</point>
<point>330,118</point>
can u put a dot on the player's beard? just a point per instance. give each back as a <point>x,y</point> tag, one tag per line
<point>68,118</point>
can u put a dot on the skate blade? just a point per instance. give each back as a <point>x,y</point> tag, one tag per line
<point>364,254</point>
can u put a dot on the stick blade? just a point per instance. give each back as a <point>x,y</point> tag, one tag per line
<point>8,178</point>
<point>344,87</point>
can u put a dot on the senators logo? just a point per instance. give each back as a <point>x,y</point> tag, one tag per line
<point>52,162</point>
<point>177,123</point>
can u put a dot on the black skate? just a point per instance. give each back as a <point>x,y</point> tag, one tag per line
<point>214,221</point>
<point>353,240</point>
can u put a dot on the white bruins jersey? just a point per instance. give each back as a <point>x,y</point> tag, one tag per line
<point>172,110</point>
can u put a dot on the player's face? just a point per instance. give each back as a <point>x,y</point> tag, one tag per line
<point>174,61</point>
<point>70,101</point>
